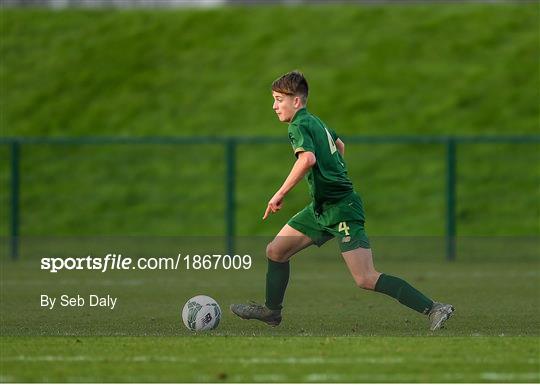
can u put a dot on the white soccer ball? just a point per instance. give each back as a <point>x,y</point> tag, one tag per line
<point>201,313</point>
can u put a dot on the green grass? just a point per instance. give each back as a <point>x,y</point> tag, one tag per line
<point>270,359</point>
<point>149,301</point>
<point>371,69</point>
<point>342,334</point>
<point>457,69</point>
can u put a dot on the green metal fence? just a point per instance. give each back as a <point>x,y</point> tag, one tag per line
<point>230,144</point>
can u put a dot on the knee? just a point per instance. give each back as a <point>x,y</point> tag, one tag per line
<point>276,254</point>
<point>367,282</point>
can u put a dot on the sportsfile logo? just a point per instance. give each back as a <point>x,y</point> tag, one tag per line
<point>115,261</point>
<point>111,261</point>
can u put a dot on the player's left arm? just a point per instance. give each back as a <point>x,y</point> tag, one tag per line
<point>304,162</point>
<point>340,145</point>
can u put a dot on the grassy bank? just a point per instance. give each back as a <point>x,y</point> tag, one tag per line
<point>447,69</point>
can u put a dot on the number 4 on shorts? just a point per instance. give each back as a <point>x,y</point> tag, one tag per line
<point>343,227</point>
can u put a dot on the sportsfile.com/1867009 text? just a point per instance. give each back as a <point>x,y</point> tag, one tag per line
<point>113,261</point>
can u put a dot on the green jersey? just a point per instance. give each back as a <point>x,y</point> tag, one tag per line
<point>327,179</point>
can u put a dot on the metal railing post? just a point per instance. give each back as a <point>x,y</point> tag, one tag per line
<point>451,199</point>
<point>15,182</point>
<point>230,155</point>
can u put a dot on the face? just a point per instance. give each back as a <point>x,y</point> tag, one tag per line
<point>286,106</point>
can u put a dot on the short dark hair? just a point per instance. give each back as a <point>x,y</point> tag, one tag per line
<point>292,83</point>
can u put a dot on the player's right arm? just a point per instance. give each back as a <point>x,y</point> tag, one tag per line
<point>305,161</point>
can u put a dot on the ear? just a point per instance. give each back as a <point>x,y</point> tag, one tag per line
<point>297,102</point>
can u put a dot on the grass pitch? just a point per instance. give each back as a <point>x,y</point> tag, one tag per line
<point>332,331</point>
<point>271,359</point>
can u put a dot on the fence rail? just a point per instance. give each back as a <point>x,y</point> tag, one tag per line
<point>230,143</point>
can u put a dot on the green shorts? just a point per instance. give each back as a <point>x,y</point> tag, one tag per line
<point>343,220</point>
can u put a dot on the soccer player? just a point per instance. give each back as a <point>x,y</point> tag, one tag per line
<point>336,211</point>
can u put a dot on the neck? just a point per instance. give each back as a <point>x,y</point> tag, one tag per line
<point>296,112</point>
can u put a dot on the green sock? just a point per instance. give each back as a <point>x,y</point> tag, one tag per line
<point>277,278</point>
<point>405,293</point>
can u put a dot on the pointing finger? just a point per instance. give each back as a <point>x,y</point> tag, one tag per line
<point>266,212</point>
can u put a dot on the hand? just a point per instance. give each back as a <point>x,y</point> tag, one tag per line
<point>275,204</point>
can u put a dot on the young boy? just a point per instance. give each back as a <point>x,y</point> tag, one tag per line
<point>336,211</point>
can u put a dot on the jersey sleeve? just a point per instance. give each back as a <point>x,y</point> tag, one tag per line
<point>300,139</point>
